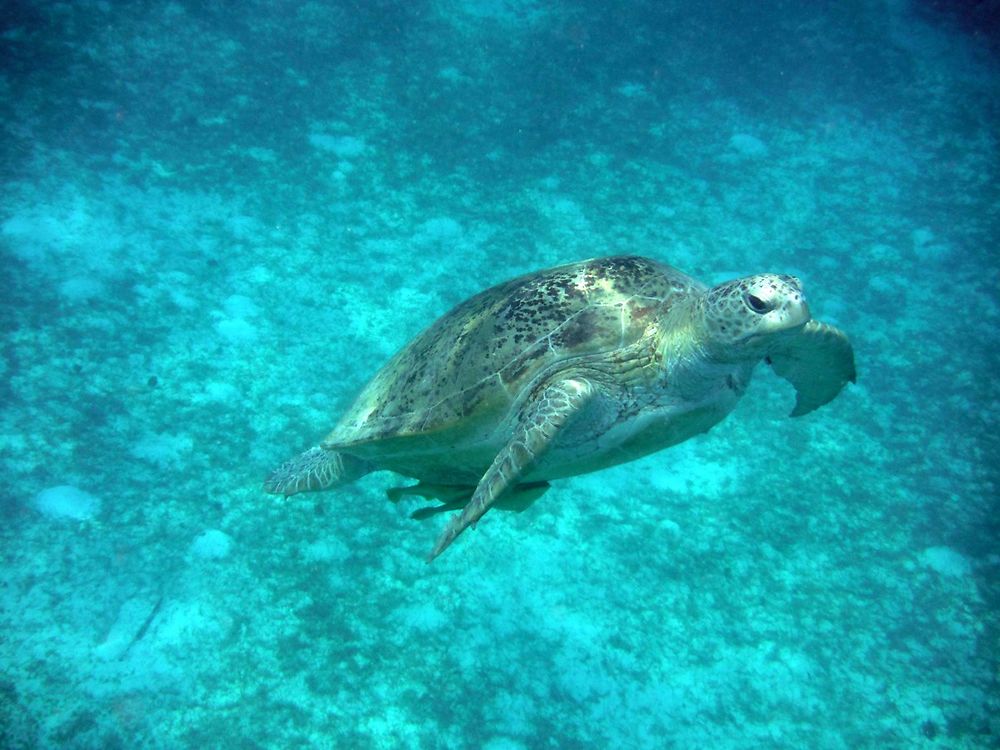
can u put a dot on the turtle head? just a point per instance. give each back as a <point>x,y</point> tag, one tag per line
<point>746,315</point>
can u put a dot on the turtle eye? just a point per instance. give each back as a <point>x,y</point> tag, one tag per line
<point>756,304</point>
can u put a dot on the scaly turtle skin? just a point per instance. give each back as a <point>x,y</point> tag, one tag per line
<point>567,371</point>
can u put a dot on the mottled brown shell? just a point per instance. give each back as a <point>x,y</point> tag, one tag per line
<point>460,376</point>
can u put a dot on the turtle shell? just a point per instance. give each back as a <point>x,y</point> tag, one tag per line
<point>458,382</point>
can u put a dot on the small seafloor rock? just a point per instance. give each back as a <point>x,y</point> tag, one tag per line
<point>946,561</point>
<point>212,545</point>
<point>133,621</point>
<point>66,501</point>
<point>748,145</point>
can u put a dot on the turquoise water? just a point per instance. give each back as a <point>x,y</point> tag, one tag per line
<point>219,220</point>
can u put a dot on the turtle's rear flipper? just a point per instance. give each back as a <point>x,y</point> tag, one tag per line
<point>818,360</point>
<point>452,497</point>
<point>315,469</point>
<point>539,422</point>
<point>446,493</point>
<point>456,497</point>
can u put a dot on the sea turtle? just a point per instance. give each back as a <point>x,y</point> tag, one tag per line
<point>566,371</point>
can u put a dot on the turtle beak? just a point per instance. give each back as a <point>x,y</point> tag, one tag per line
<point>786,318</point>
<point>797,313</point>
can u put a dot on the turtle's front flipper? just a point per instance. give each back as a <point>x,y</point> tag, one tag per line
<point>315,469</point>
<point>539,422</point>
<point>818,360</point>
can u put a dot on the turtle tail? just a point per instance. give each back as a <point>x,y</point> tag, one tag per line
<point>315,469</point>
